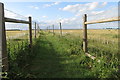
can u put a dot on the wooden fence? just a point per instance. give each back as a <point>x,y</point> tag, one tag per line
<point>3,45</point>
<point>53,29</point>
<point>85,23</point>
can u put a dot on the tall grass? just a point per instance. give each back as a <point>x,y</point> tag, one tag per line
<point>19,56</point>
<point>63,57</point>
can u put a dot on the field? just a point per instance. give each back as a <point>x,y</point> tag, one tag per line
<point>23,34</point>
<point>110,35</point>
<point>17,44</point>
<point>55,56</point>
<point>59,57</point>
<point>17,34</point>
<point>31,49</point>
<point>105,35</point>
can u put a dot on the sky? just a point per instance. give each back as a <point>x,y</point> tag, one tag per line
<point>70,14</point>
<point>59,0</point>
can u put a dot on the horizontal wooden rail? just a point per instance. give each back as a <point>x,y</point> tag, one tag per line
<point>92,57</point>
<point>16,21</point>
<point>104,20</point>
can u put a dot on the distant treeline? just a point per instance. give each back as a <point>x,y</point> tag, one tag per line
<point>13,30</point>
<point>81,29</point>
<point>112,28</point>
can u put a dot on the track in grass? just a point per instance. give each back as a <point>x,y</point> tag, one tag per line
<point>54,60</point>
<point>63,57</point>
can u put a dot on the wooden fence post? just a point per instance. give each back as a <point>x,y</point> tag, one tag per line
<point>35,29</point>
<point>53,29</point>
<point>49,29</point>
<point>60,29</point>
<point>38,28</point>
<point>3,45</point>
<point>30,31</point>
<point>85,43</point>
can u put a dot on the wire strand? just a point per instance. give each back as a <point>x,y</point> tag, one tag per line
<point>16,13</point>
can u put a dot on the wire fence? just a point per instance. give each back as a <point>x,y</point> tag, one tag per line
<point>101,31</point>
<point>18,34</point>
<point>97,38</point>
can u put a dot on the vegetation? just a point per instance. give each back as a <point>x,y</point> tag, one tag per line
<point>19,53</point>
<point>62,57</point>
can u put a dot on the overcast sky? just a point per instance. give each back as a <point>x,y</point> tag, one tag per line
<point>70,14</point>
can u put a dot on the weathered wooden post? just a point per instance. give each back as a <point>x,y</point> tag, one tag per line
<point>53,29</point>
<point>49,29</point>
<point>35,29</point>
<point>30,31</point>
<point>38,28</point>
<point>60,29</point>
<point>3,45</point>
<point>85,33</point>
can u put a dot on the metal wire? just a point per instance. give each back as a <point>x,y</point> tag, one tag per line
<point>16,13</point>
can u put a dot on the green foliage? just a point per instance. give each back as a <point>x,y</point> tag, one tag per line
<point>116,36</point>
<point>63,57</point>
<point>19,55</point>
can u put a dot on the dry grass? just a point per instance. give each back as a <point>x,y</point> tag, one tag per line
<point>110,35</point>
<point>14,33</point>
<point>24,34</point>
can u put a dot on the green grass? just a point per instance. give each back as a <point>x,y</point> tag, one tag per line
<point>19,56</point>
<point>63,57</point>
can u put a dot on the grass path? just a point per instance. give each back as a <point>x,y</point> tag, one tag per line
<point>53,60</point>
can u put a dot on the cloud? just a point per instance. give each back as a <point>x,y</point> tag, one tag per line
<point>56,3</point>
<point>28,15</point>
<point>34,7</point>
<point>76,21</point>
<point>44,16</point>
<point>93,5</point>
<point>104,3</point>
<point>87,8</point>
<point>83,8</point>
<point>72,8</point>
<point>97,15</point>
<point>96,12</point>
<point>49,5</point>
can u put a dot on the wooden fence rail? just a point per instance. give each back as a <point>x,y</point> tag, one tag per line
<point>16,21</point>
<point>104,20</point>
<point>85,23</point>
<point>3,45</point>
